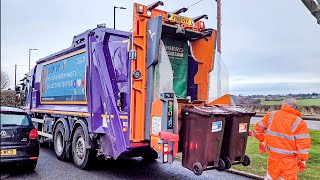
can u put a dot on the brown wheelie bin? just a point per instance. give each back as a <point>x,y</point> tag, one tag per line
<point>203,134</point>
<point>235,136</point>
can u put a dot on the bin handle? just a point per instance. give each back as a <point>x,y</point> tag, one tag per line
<point>168,136</point>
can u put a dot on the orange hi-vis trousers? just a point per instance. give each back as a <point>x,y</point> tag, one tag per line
<point>282,167</point>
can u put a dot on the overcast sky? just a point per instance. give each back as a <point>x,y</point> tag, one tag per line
<point>273,41</point>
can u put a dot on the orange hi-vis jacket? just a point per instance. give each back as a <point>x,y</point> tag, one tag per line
<point>286,133</point>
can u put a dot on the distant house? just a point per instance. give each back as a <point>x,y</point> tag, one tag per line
<point>273,98</point>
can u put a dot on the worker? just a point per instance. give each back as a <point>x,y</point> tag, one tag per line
<point>286,137</point>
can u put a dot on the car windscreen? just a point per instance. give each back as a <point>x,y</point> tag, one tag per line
<point>14,119</point>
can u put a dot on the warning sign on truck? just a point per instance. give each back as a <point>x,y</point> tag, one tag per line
<point>156,125</point>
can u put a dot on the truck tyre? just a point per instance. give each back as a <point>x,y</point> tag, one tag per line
<point>80,153</point>
<point>59,142</point>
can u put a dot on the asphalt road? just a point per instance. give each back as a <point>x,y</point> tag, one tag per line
<point>49,167</point>
<point>310,123</point>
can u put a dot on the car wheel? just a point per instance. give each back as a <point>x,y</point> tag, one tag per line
<point>59,142</point>
<point>80,153</point>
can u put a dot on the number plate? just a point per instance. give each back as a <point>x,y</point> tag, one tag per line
<point>8,152</point>
<point>180,19</point>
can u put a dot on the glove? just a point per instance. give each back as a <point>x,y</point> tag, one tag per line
<point>302,166</point>
<point>262,148</point>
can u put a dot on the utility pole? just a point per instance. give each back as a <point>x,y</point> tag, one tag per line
<point>114,15</point>
<point>219,61</point>
<point>15,76</point>
<point>219,24</point>
<point>30,55</point>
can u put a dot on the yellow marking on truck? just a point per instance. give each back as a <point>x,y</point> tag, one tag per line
<point>127,41</point>
<point>24,107</point>
<point>112,116</point>
<point>65,56</point>
<point>61,112</point>
<point>64,102</point>
<point>41,111</point>
<point>107,116</point>
<point>123,117</point>
<point>180,19</point>
<point>71,113</point>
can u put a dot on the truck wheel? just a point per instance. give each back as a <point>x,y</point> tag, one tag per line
<point>246,161</point>
<point>197,168</point>
<point>79,152</point>
<point>59,142</point>
<point>221,165</point>
<point>227,162</point>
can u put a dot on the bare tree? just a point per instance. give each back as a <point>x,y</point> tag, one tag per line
<point>5,80</point>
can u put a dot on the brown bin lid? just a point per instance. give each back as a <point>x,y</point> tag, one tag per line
<point>205,111</point>
<point>236,110</point>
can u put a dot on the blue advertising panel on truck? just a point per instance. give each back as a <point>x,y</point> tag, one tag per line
<point>63,81</point>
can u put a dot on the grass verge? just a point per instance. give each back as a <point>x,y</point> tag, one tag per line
<point>259,162</point>
<point>301,102</point>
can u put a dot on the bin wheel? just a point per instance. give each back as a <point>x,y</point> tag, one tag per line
<point>197,168</point>
<point>246,161</point>
<point>221,165</point>
<point>227,162</point>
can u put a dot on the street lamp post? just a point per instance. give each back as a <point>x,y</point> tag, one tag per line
<point>30,55</point>
<point>114,15</point>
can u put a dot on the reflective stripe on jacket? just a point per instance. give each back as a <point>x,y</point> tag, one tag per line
<point>284,132</point>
